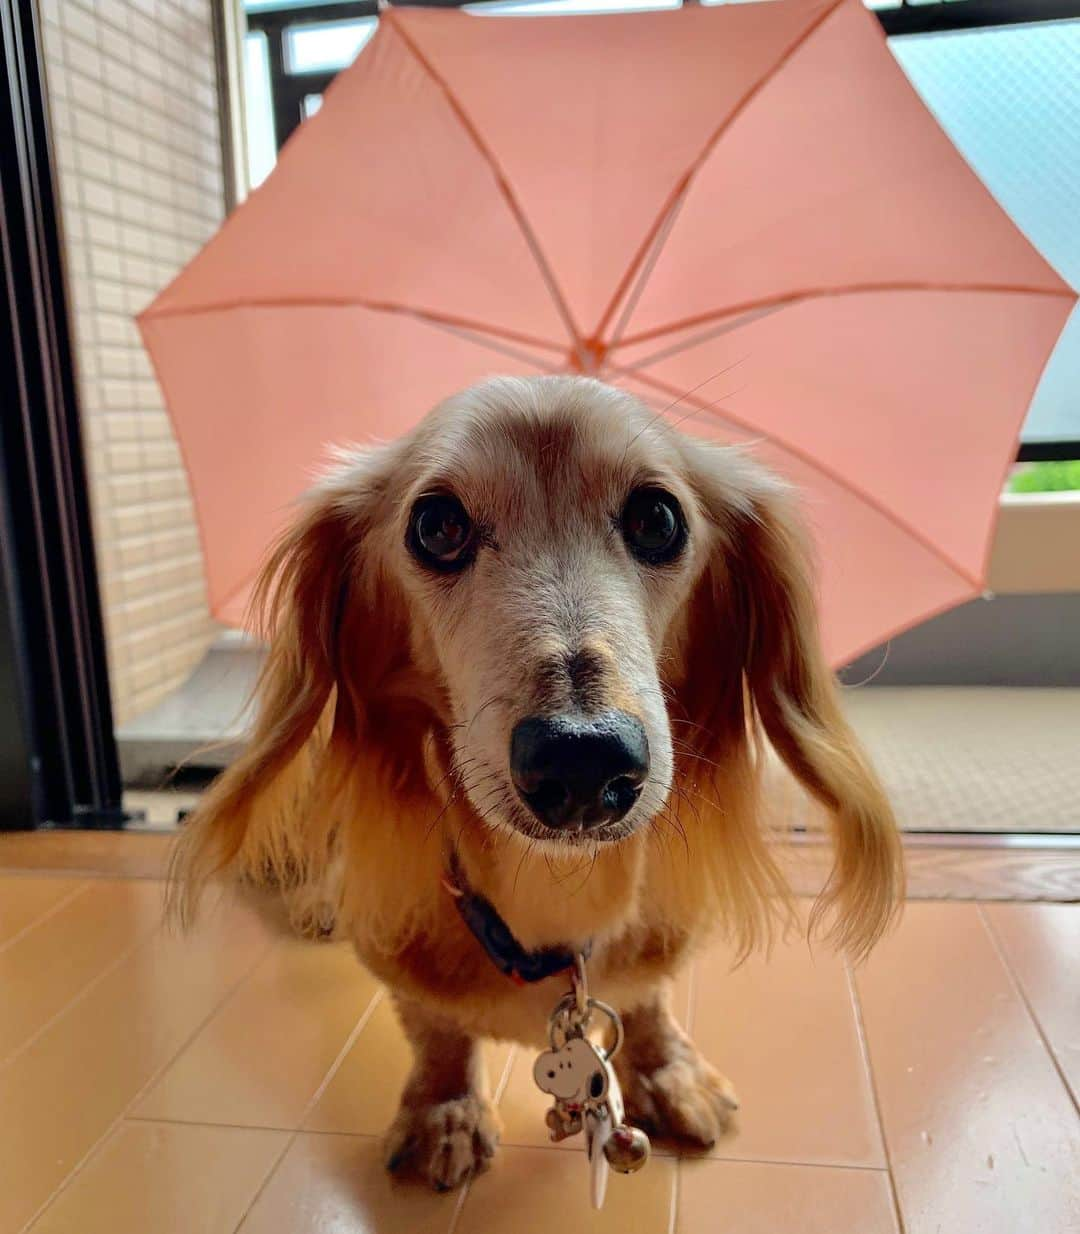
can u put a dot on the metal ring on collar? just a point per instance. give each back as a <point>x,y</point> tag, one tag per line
<point>566,1017</point>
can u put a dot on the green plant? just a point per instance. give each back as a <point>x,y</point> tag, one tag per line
<point>1050,477</point>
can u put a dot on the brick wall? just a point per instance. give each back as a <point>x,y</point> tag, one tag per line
<point>135,118</point>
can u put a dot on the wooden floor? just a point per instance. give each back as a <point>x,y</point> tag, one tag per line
<point>239,1080</point>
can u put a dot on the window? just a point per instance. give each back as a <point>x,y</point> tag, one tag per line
<point>1006,97</point>
<point>292,52</point>
<point>262,145</point>
<point>326,46</point>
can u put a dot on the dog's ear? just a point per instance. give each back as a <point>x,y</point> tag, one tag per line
<point>754,661</point>
<point>336,640</point>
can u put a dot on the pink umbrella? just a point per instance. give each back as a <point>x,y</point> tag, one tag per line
<point>744,214</point>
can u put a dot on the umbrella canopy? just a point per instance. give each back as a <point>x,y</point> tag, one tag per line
<point>744,214</point>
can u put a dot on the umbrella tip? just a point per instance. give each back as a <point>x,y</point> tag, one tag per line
<point>587,356</point>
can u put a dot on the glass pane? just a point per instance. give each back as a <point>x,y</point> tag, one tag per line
<point>312,103</point>
<point>269,6</point>
<point>326,46</point>
<point>1007,97</point>
<point>545,8</point>
<point>258,109</point>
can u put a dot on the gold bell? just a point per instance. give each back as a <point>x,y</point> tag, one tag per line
<point>627,1149</point>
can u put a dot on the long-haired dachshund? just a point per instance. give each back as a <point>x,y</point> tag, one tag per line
<point>522,668</point>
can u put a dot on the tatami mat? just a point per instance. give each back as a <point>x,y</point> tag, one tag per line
<point>952,758</point>
<point>980,759</point>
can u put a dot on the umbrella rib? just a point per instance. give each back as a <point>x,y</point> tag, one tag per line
<point>488,342</point>
<point>725,327</point>
<point>787,299</point>
<point>379,306</point>
<point>646,270</point>
<point>501,182</point>
<point>817,465</point>
<point>682,186</point>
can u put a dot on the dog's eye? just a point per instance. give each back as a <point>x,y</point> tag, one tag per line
<point>441,533</point>
<point>653,525</point>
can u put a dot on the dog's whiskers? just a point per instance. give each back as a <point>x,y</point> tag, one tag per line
<point>685,750</point>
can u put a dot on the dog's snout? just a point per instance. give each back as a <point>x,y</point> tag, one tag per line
<point>579,772</point>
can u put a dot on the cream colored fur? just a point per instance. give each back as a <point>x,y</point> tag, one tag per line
<point>388,698</point>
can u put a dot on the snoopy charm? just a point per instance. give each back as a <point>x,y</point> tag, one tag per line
<point>581,1078</point>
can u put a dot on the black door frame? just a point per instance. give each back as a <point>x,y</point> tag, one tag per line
<point>56,724</point>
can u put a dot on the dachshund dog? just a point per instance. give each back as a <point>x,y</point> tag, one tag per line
<point>538,649</point>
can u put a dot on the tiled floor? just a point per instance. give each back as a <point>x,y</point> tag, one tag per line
<point>238,1080</point>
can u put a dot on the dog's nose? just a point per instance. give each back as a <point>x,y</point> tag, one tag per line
<point>577,771</point>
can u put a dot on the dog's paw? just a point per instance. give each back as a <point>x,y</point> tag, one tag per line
<point>443,1144</point>
<point>682,1099</point>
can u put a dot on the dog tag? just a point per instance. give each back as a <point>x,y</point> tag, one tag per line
<point>580,1076</point>
<point>598,1131</point>
<point>577,1074</point>
<point>601,1119</point>
<point>613,1144</point>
